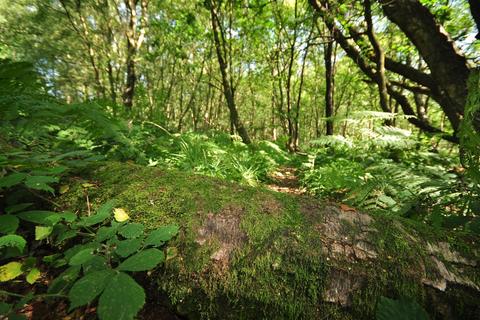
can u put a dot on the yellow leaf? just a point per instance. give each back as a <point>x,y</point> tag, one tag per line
<point>88,185</point>
<point>120,214</point>
<point>10,271</point>
<point>33,275</point>
<point>64,188</point>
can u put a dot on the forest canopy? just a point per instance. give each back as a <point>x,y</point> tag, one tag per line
<point>213,154</point>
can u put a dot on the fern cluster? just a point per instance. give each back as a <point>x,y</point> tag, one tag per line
<point>390,172</point>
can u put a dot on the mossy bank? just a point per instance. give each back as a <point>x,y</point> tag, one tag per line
<point>251,253</point>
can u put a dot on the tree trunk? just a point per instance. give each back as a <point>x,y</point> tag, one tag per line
<point>245,253</point>
<point>379,77</point>
<point>228,89</point>
<point>134,40</point>
<point>448,67</point>
<point>329,86</point>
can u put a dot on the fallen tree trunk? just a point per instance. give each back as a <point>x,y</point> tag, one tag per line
<point>253,253</point>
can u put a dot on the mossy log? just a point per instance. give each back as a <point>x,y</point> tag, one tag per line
<point>251,253</point>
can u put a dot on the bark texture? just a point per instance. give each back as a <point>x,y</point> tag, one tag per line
<point>448,67</point>
<point>227,80</point>
<point>250,253</point>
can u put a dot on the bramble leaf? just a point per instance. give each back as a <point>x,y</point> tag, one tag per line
<point>89,287</point>
<point>143,261</point>
<point>121,299</point>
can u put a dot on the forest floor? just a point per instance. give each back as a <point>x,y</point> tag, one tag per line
<point>285,180</point>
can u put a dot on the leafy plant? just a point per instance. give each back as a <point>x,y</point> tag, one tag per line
<point>98,266</point>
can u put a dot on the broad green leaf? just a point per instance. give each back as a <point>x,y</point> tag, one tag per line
<point>161,235</point>
<point>40,182</point>
<point>10,271</point>
<point>89,287</point>
<point>33,275</point>
<point>17,207</point>
<point>105,233</point>
<point>143,261</point>
<point>66,235</point>
<point>68,216</point>
<point>8,224</point>
<point>82,257</point>
<point>64,280</point>
<point>12,179</point>
<point>103,213</point>
<point>388,309</point>
<point>121,299</point>
<point>42,232</point>
<point>127,247</point>
<point>13,240</point>
<point>120,215</point>
<point>49,171</point>
<point>97,263</point>
<point>131,230</point>
<point>41,217</point>
<point>4,308</point>
<point>69,253</point>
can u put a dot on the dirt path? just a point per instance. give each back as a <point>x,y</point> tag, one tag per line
<point>285,180</point>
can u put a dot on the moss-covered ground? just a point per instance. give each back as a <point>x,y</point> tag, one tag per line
<point>253,253</point>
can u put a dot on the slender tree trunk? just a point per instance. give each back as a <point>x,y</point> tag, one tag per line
<point>379,78</point>
<point>228,89</point>
<point>134,40</point>
<point>329,86</point>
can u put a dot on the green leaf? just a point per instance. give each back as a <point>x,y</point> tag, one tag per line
<point>17,207</point>
<point>42,232</point>
<point>143,261</point>
<point>8,224</point>
<point>105,233</point>
<point>89,287</point>
<point>66,235</point>
<point>13,240</point>
<point>12,179</point>
<point>97,263</point>
<point>40,182</point>
<point>82,257</point>
<point>64,280</point>
<point>68,216</point>
<point>4,308</point>
<point>388,309</point>
<point>40,217</point>
<point>103,213</point>
<point>121,299</point>
<point>127,247</point>
<point>10,271</point>
<point>131,230</point>
<point>49,171</point>
<point>161,235</point>
<point>33,275</point>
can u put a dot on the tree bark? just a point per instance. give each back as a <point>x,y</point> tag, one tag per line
<point>379,76</point>
<point>448,67</point>
<point>329,86</point>
<point>134,39</point>
<point>228,89</point>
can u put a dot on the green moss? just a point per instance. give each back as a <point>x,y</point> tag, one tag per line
<point>276,269</point>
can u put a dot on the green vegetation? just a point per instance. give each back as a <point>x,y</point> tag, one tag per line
<point>239,159</point>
